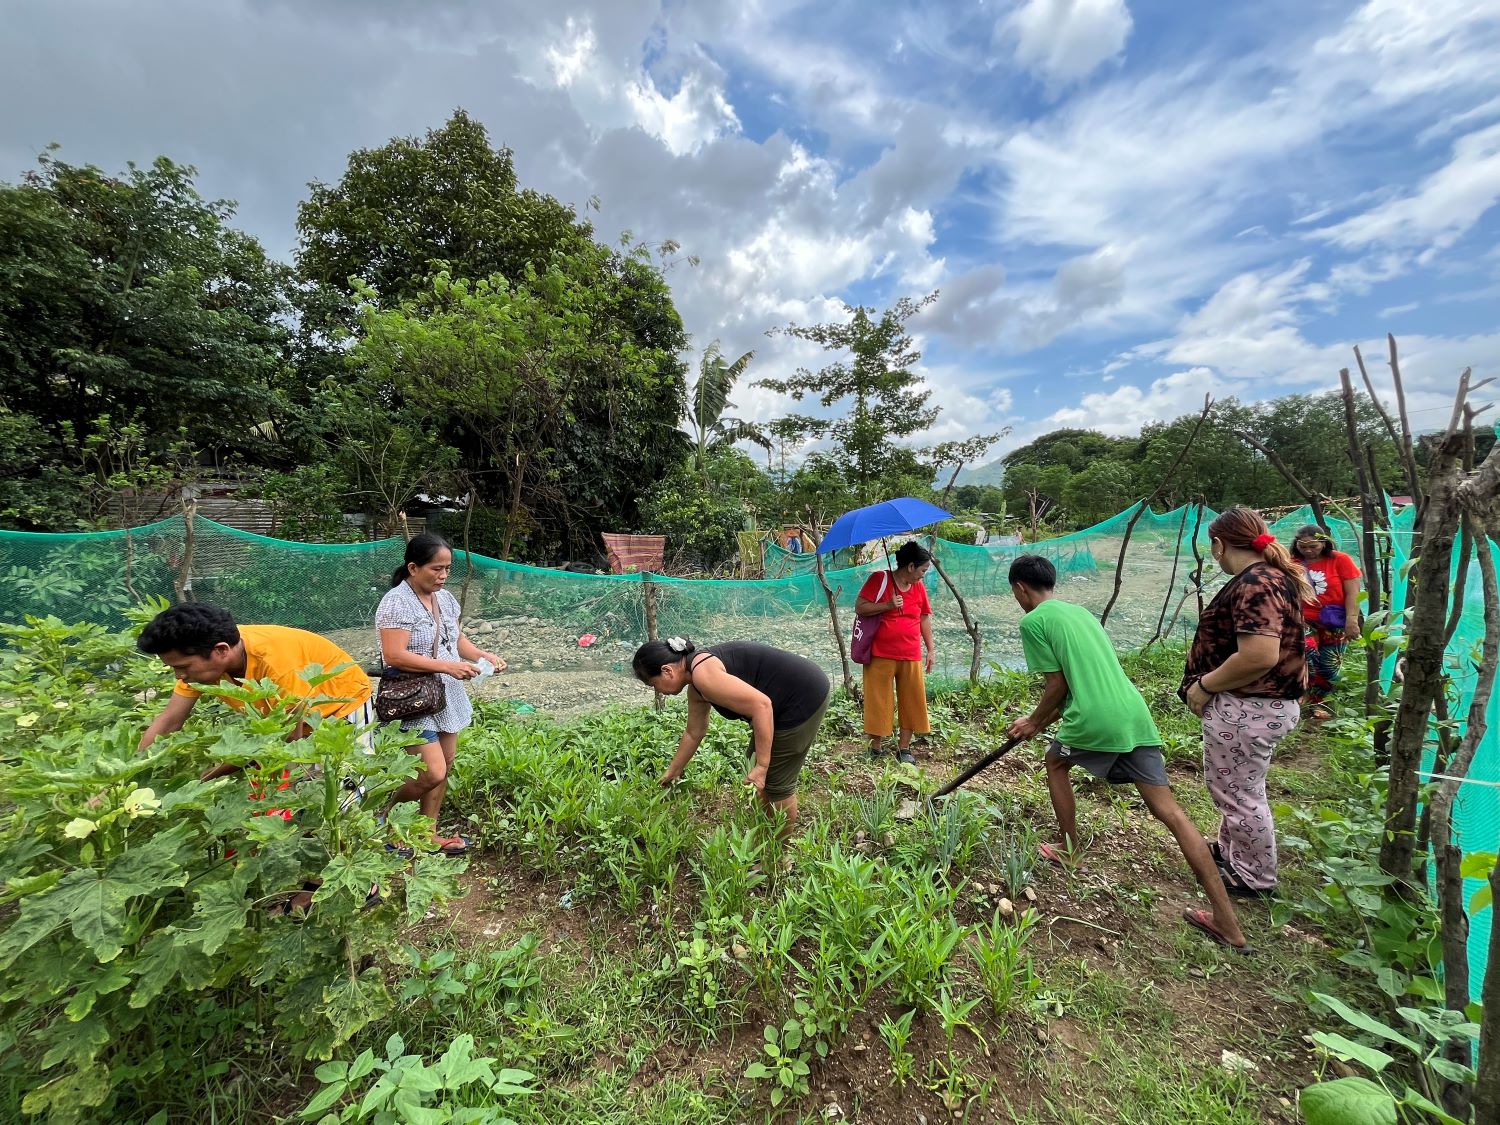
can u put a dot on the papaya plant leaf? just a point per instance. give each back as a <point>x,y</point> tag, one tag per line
<point>1348,1101</point>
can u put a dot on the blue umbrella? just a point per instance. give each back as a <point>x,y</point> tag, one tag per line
<point>890,517</point>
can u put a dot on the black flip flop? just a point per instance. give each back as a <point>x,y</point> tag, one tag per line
<point>1237,888</point>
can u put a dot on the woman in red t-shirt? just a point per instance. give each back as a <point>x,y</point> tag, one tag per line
<point>1332,615</point>
<point>893,679</point>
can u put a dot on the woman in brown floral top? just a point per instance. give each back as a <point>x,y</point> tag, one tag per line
<point>1246,671</point>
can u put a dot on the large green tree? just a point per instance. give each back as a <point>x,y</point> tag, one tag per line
<point>1084,473</point>
<point>414,206</point>
<point>508,368</point>
<point>129,296</point>
<point>449,204</point>
<point>1099,491</point>
<point>872,396</point>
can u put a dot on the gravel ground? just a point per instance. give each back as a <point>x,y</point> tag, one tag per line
<point>550,670</point>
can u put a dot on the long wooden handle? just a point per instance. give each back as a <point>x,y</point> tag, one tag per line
<point>977,768</point>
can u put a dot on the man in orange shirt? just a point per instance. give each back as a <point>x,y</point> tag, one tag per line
<point>203,645</point>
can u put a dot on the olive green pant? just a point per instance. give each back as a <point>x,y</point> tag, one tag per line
<point>789,749</point>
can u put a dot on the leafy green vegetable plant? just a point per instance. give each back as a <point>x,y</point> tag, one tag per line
<point>133,888</point>
<point>1005,968</point>
<point>895,1033</point>
<point>458,1088</point>
<point>786,1067</point>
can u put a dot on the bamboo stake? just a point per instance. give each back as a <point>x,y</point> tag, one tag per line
<point>1171,582</point>
<point>1487,1080</point>
<point>1198,555</point>
<point>463,590</point>
<point>1449,492</point>
<point>1140,510</point>
<point>1448,856</point>
<point>183,581</point>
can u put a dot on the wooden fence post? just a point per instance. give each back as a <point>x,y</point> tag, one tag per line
<point>649,588</point>
<point>182,581</point>
<point>833,616</point>
<point>970,625</point>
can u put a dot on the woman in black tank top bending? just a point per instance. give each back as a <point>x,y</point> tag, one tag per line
<point>781,695</point>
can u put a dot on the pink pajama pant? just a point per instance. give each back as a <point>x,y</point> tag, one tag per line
<point>1239,733</point>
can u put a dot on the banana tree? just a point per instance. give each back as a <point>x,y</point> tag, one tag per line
<point>708,402</point>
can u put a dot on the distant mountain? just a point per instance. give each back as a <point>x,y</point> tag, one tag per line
<point>992,472</point>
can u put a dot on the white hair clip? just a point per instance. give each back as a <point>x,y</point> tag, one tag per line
<point>677,644</point>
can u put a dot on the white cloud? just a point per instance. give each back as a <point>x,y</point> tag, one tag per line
<point>1444,206</point>
<point>1063,41</point>
<point>1393,50</point>
<point>1250,329</point>
<point>1126,409</point>
<point>1456,122</point>
<point>1167,166</point>
<point>571,57</point>
<point>687,120</point>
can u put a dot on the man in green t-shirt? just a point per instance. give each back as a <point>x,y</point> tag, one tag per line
<point>1106,728</point>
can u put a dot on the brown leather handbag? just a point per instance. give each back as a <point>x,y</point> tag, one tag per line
<point>410,695</point>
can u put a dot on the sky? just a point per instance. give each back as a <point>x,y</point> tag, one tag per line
<point>1123,204</point>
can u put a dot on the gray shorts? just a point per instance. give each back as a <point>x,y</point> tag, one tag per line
<point>1142,766</point>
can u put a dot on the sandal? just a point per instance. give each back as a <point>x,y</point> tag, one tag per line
<point>450,845</point>
<point>1204,920</point>
<point>1237,886</point>
<point>906,757</point>
<point>1317,713</point>
<point>1053,854</point>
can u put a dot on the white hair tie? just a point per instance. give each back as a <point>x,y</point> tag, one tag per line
<point>677,644</point>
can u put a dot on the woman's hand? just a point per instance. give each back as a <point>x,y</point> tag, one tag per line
<point>1351,628</point>
<point>927,664</point>
<point>757,778</point>
<point>1198,699</point>
<point>460,669</point>
<point>896,602</point>
<point>497,660</point>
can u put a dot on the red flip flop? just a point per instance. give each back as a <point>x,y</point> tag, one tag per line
<point>450,845</point>
<point>1052,854</point>
<point>1204,920</point>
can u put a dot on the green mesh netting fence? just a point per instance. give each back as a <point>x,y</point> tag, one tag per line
<point>542,620</point>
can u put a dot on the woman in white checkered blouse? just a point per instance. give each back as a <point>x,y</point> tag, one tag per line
<point>416,607</point>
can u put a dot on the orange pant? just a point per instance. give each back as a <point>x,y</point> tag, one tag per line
<point>892,685</point>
